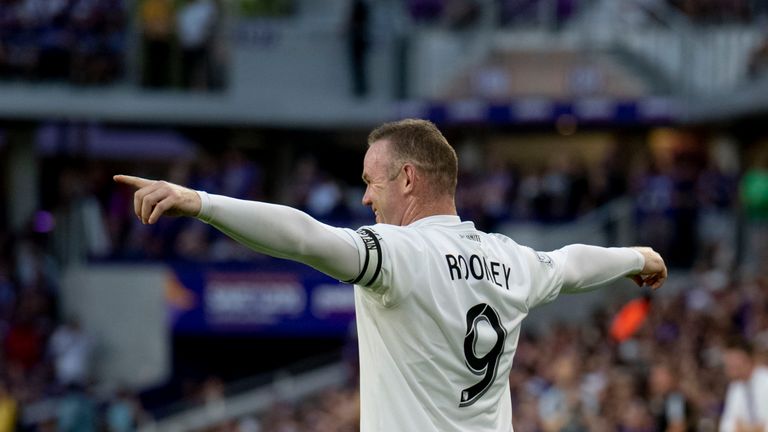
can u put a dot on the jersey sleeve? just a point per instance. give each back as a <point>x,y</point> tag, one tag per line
<point>370,253</point>
<point>282,232</point>
<point>384,251</point>
<point>578,268</point>
<point>546,273</point>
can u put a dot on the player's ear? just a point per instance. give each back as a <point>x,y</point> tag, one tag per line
<point>409,178</point>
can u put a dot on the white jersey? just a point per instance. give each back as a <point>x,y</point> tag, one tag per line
<point>439,307</point>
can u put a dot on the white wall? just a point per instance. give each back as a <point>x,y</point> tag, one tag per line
<point>123,308</point>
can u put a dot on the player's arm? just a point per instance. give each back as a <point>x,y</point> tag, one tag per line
<point>588,267</point>
<point>275,230</point>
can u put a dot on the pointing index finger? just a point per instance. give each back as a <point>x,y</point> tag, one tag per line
<point>136,182</point>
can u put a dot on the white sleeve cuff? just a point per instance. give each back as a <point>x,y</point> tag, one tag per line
<point>205,213</point>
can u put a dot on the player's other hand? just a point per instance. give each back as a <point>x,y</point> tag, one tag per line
<point>654,273</point>
<point>155,198</point>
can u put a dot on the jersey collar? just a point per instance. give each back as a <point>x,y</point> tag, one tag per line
<point>436,220</point>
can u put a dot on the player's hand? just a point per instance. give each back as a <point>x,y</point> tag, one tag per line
<point>654,273</point>
<point>153,199</point>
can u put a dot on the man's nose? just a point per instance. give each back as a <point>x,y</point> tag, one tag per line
<point>366,198</point>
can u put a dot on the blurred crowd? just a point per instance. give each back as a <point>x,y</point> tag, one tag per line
<point>672,375</point>
<point>84,42</point>
<point>556,191</point>
<point>597,384</point>
<point>179,45</point>
<point>721,11</point>
<point>77,41</point>
<point>46,361</point>
<point>459,14</point>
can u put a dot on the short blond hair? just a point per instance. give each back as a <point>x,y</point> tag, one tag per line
<point>420,143</point>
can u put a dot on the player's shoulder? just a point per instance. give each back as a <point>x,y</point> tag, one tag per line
<point>501,238</point>
<point>504,241</point>
<point>378,230</point>
<point>373,235</point>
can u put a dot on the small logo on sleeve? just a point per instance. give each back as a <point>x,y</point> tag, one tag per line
<point>544,258</point>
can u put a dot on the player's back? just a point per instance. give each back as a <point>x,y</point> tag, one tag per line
<point>439,325</point>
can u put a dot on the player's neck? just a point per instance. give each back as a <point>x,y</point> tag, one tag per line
<point>422,208</point>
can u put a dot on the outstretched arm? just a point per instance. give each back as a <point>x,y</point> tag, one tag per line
<point>272,229</point>
<point>588,267</point>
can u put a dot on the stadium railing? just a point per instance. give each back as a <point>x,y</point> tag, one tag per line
<point>283,387</point>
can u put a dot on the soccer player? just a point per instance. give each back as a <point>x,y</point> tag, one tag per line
<point>439,304</point>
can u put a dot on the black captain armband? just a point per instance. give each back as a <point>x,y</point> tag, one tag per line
<point>371,259</point>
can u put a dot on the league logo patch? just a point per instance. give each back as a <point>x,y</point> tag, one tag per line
<point>544,258</point>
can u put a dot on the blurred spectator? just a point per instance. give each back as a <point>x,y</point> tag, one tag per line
<point>99,32</point>
<point>565,186</point>
<point>758,60</point>
<point>325,199</point>
<point>25,339</point>
<point>462,14</point>
<point>77,412</point>
<point>754,198</point>
<point>9,409</point>
<point>497,192</point>
<point>608,181</point>
<point>635,418</point>
<point>81,231</point>
<point>7,292</point>
<point>195,23</point>
<point>303,175</point>
<point>715,11</point>
<point>654,191</point>
<point>120,416</point>
<point>716,232</point>
<point>240,176</point>
<point>124,413</point>
<point>55,38</point>
<point>560,407</point>
<point>746,402</point>
<point>157,32</point>
<point>670,408</point>
<point>192,244</point>
<point>71,349</point>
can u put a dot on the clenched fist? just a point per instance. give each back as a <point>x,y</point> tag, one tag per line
<point>654,273</point>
